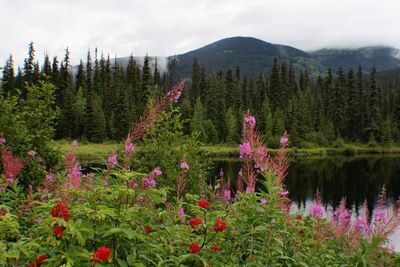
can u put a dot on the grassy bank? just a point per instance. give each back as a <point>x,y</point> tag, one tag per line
<point>97,152</point>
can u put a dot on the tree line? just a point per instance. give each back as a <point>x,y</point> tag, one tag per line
<point>101,98</point>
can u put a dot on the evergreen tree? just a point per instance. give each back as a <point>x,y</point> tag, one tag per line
<point>266,119</point>
<point>133,83</point>
<point>46,71</point>
<point>353,107</point>
<point>374,108</point>
<point>55,73</point>
<point>276,86</point>
<point>29,65</point>
<point>216,106</point>
<point>156,74</point>
<point>65,99</point>
<point>122,123</point>
<point>145,85</point>
<point>196,80</point>
<point>80,78</point>
<point>230,88</point>
<point>232,131</point>
<point>8,81</point>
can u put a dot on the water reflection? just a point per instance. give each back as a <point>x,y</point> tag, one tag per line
<point>356,178</point>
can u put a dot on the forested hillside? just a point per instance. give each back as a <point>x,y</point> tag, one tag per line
<point>103,98</point>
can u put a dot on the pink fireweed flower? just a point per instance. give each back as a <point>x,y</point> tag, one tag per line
<point>240,173</point>
<point>129,148</point>
<point>250,120</point>
<point>250,189</point>
<point>221,173</point>
<point>175,93</point>
<point>112,160</point>
<point>149,182</point>
<point>177,96</point>
<point>361,225</point>
<point>284,140</point>
<point>342,216</point>
<point>49,177</point>
<point>317,210</point>
<point>264,201</point>
<point>75,176</point>
<point>259,167</point>
<point>31,153</point>
<point>245,150</point>
<point>132,184</point>
<point>182,215</point>
<point>157,171</point>
<point>184,166</point>
<point>379,217</point>
<point>283,192</point>
<point>261,154</point>
<point>227,196</point>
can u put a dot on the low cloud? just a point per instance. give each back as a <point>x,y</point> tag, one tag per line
<point>165,28</point>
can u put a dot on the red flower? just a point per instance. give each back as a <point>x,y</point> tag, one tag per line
<point>299,217</point>
<point>31,265</point>
<point>216,248</point>
<point>194,248</point>
<point>61,211</point>
<point>40,260</point>
<point>148,229</point>
<point>102,254</point>
<point>58,231</point>
<point>219,225</point>
<point>194,222</point>
<point>204,204</point>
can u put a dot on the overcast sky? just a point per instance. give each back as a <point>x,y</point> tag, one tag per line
<point>168,27</point>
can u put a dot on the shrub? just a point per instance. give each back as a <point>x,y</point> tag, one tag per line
<point>27,126</point>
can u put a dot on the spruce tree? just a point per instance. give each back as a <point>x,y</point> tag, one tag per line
<point>232,131</point>
<point>80,79</point>
<point>55,73</point>
<point>29,64</point>
<point>196,80</point>
<point>121,123</point>
<point>230,88</point>
<point>8,81</point>
<point>374,108</point>
<point>353,106</point>
<point>276,86</point>
<point>156,74</point>
<point>145,85</point>
<point>46,71</point>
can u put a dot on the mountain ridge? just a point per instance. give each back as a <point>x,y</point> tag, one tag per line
<point>254,55</point>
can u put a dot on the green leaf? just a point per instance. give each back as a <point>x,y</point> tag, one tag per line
<point>113,231</point>
<point>131,259</point>
<point>122,263</point>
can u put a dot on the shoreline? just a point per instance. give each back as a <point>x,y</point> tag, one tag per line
<point>98,152</point>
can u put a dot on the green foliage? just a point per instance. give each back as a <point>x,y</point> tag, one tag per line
<point>28,124</point>
<point>142,227</point>
<point>232,133</point>
<point>166,145</point>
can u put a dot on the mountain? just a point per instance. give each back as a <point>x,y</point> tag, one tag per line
<point>383,57</point>
<point>251,54</point>
<point>254,56</point>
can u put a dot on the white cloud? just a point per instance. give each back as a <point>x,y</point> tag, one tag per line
<point>162,28</point>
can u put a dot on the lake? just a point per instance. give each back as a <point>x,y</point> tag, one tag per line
<point>357,178</point>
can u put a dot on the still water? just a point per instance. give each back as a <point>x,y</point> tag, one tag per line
<point>356,178</point>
